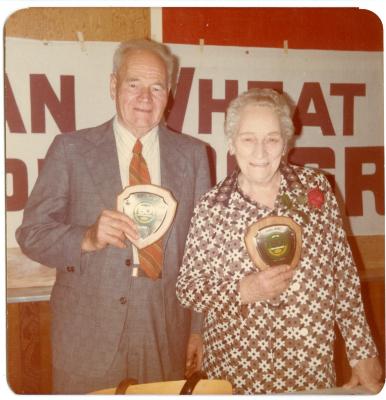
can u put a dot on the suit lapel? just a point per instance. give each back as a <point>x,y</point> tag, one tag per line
<point>173,165</point>
<point>103,165</point>
<point>102,161</point>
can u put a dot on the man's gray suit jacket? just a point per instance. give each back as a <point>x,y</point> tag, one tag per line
<point>79,179</point>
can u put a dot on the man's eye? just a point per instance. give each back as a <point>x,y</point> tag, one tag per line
<point>132,85</point>
<point>157,88</point>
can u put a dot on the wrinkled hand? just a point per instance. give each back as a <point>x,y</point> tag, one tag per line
<point>194,353</point>
<point>368,373</point>
<point>111,228</point>
<point>266,284</point>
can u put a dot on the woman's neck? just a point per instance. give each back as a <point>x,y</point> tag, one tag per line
<point>264,193</point>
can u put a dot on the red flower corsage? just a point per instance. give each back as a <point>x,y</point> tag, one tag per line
<point>315,198</point>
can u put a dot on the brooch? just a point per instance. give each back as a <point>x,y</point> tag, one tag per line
<point>313,198</point>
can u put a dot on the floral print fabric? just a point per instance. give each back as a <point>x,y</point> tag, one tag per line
<point>284,344</point>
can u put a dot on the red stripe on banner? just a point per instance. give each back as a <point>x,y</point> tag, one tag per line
<point>302,28</point>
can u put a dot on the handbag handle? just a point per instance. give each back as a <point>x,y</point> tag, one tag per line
<point>192,381</point>
<point>187,389</point>
<point>124,384</point>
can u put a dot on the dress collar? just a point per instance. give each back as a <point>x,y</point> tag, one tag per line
<point>230,185</point>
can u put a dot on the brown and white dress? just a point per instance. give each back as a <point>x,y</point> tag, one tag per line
<point>285,344</point>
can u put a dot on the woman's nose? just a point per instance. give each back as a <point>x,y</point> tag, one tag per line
<point>259,150</point>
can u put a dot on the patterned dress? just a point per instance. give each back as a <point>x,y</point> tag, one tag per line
<point>285,344</point>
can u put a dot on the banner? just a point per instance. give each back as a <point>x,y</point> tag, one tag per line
<point>57,87</point>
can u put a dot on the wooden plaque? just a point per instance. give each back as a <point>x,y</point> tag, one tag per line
<point>274,241</point>
<point>151,207</point>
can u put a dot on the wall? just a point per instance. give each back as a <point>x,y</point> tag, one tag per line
<point>339,29</point>
<point>96,24</point>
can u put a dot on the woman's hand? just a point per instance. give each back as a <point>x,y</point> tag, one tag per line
<point>266,284</point>
<point>367,372</point>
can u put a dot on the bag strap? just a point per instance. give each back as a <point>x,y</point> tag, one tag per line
<point>192,381</point>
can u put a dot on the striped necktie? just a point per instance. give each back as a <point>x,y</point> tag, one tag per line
<point>150,257</point>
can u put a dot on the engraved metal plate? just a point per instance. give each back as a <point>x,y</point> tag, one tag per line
<point>274,241</point>
<point>151,207</point>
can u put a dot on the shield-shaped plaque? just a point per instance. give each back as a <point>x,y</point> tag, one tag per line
<point>274,241</point>
<point>151,207</point>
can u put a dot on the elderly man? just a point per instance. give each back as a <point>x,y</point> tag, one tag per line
<point>114,310</point>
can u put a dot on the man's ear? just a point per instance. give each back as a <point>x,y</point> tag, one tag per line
<point>113,86</point>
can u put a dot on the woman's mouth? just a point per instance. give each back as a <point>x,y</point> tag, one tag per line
<point>258,164</point>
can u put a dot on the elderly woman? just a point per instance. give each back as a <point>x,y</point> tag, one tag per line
<point>272,330</point>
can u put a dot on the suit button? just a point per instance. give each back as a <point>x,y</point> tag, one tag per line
<point>128,262</point>
<point>123,300</point>
<point>70,268</point>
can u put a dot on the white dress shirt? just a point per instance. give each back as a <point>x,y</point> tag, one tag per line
<point>125,141</point>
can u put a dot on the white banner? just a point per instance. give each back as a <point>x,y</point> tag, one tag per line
<point>60,86</point>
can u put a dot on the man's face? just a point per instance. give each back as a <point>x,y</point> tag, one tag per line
<point>140,90</point>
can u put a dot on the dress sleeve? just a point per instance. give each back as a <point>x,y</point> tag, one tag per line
<point>199,285</point>
<point>349,311</point>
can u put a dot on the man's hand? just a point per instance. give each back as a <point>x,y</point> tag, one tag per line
<point>266,284</point>
<point>194,353</point>
<point>368,373</point>
<point>111,227</point>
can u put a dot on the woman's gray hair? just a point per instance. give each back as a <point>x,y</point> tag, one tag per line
<point>145,44</point>
<point>260,97</point>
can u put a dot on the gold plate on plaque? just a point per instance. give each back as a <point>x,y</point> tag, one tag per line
<point>151,207</point>
<point>274,241</point>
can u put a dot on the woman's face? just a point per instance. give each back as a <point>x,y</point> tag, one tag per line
<point>258,144</point>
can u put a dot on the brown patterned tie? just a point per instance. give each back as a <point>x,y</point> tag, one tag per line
<point>150,257</point>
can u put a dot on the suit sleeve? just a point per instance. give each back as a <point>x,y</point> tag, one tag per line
<point>203,184</point>
<point>45,235</point>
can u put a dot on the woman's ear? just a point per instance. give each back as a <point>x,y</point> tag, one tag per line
<point>231,147</point>
<point>285,148</point>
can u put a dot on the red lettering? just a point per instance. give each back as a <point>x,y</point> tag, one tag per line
<point>323,157</point>
<point>212,159</point>
<point>176,109</point>
<point>12,113</point>
<point>275,85</point>
<point>231,163</point>
<point>18,170</point>
<point>312,92</point>
<point>42,95</point>
<point>208,105</point>
<point>40,164</point>
<point>348,91</point>
<point>356,182</point>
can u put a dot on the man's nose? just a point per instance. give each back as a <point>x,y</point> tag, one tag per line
<point>145,94</point>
